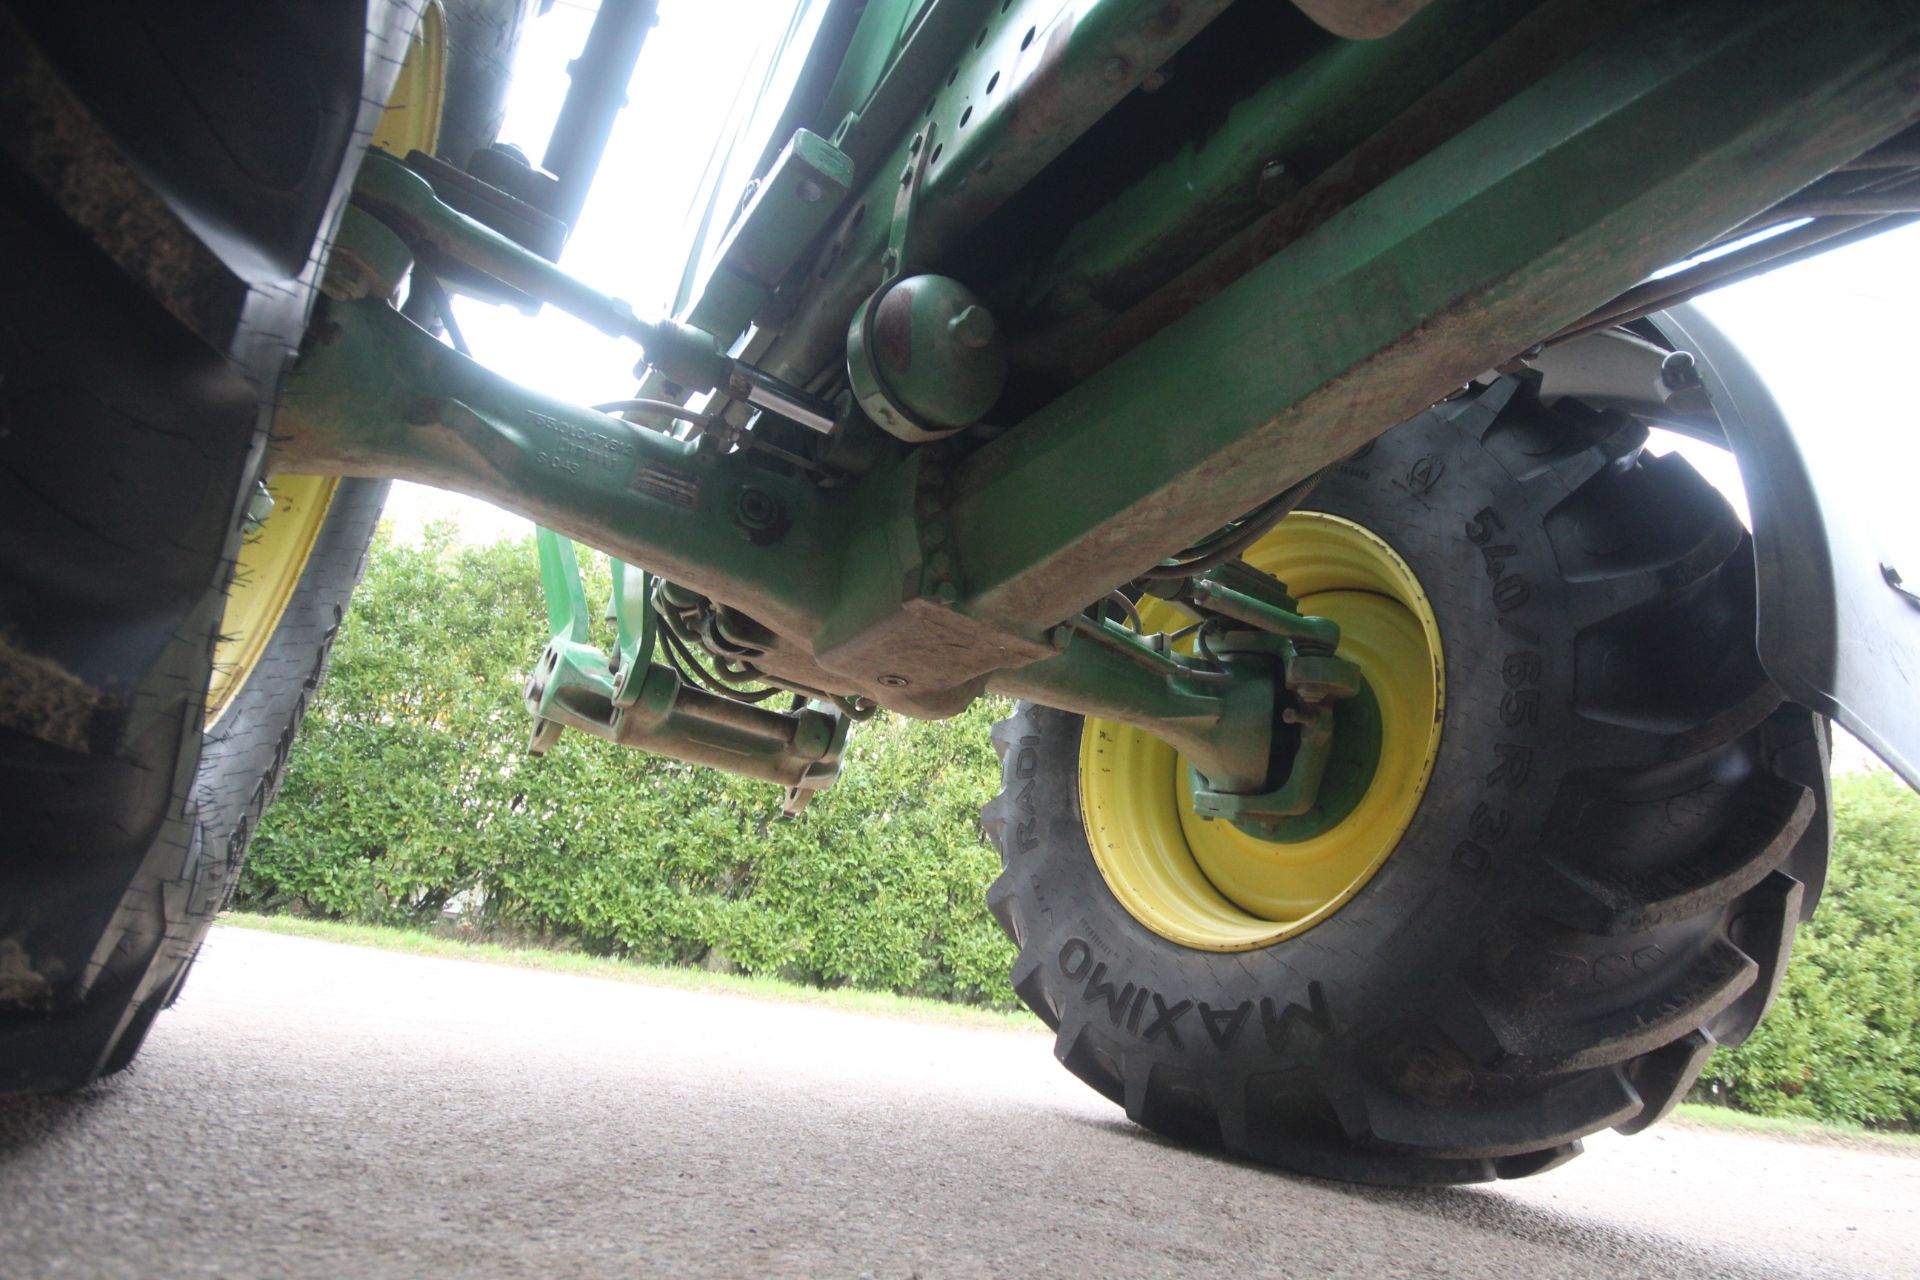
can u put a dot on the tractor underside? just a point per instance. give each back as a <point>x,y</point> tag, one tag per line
<point>1034,309</point>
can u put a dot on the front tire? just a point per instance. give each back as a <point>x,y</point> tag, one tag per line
<point>1622,827</point>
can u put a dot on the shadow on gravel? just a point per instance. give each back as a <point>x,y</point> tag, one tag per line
<point>1479,1207</point>
<point>29,1121</point>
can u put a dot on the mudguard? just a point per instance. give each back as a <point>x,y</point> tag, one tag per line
<point>1839,630</point>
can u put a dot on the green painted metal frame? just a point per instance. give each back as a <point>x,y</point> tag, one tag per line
<point>629,608</point>
<point>1627,157</point>
<point>636,702</point>
<point>1005,98</point>
<point>1293,151</point>
<point>917,582</point>
<point>381,397</point>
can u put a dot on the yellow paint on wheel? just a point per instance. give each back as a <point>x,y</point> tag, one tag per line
<point>1207,884</point>
<point>273,556</point>
<point>411,121</point>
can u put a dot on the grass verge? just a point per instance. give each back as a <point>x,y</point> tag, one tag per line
<point>884,1004</point>
<point>1823,1132</point>
<point>421,943</point>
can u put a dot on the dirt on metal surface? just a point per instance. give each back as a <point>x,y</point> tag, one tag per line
<point>310,1108</point>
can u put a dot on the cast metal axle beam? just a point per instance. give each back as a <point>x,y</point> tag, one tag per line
<point>375,395</point>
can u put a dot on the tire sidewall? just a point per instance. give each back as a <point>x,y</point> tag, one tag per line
<point>1378,972</point>
<point>244,754</point>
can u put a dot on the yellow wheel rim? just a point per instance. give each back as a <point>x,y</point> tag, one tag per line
<point>273,556</point>
<point>1209,885</point>
<point>411,119</point>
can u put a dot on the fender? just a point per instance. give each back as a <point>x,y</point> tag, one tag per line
<point>1839,631</point>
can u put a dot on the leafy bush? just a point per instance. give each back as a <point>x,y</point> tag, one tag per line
<point>411,789</point>
<point>1843,1040</point>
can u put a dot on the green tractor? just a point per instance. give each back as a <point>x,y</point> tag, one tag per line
<point>1411,772</point>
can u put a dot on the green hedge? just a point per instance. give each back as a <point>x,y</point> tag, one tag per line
<point>411,789</point>
<point>1843,1040</point>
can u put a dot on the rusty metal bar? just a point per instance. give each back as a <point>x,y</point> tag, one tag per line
<point>1630,156</point>
<point>1031,86</point>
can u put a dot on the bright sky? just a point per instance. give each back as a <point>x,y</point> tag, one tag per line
<point>1837,337</point>
<point>630,237</point>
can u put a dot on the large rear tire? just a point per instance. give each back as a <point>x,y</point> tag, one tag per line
<point>139,365</point>
<point>1598,884</point>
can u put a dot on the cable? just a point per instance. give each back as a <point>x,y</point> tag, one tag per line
<point>1126,608</point>
<point>1816,237</point>
<point>713,683</point>
<point>1243,533</point>
<point>1200,643</point>
<point>672,631</point>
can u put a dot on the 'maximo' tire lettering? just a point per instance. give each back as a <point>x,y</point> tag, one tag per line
<point>1599,885</point>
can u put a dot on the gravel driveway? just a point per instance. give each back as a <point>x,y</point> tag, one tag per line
<point>317,1109</point>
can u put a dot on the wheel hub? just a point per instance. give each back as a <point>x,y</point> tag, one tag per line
<point>1229,885</point>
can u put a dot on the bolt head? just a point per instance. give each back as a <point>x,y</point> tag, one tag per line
<point>1276,182</point>
<point>756,509</point>
<point>1678,371</point>
<point>894,682</point>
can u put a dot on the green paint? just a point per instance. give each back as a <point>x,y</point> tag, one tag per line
<point>630,607</point>
<point>637,703</point>
<point>385,398</point>
<point>1221,721</point>
<point>1332,767</point>
<point>1629,156</point>
<point>925,358</point>
<point>954,568</point>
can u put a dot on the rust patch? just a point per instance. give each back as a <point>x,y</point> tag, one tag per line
<point>1038,104</point>
<point>893,328</point>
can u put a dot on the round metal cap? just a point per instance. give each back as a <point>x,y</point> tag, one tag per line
<point>926,358</point>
